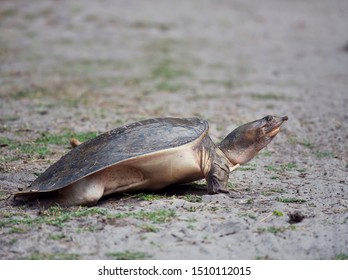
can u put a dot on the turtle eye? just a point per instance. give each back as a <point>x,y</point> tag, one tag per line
<point>269,118</point>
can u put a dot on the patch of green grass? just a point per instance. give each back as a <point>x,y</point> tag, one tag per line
<point>250,201</point>
<point>169,86</point>
<point>291,200</point>
<point>167,69</point>
<point>269,96</point>
<point>13,241</point>
<point>231,185</point>
<point>306,143</point>
<point>128,255</point>
<point>341,257</point>
<point>262,257</point>
<point>52,256</point>
<point>283,167</point>
<point>225,83</point>
<point>9,118</point>
<point>292,139</point>
<point>277,213</point>
<point>229,84</point>
<point>55,216</point>
<point>193,198</point>
<point>156,216</point>
<point>149,228</point>
<point>18,230</point>
<point>266,193</point>
<point>6,214</point>
<point>192,208</point>
<point>8,12</point>
<point>213,208</point>
<point>265,153</point>
<point>164,46</point>
<point>31,149</point>
<point>58,216</point>
<point>67,102</point>
<point>3,195</point>
<point>14,221</point>
<point>273,191</point>
<point>288,166</point>
<point>324,154</point>
<point>56,212</point>
<point>30,93</point>
<point>39,147</point>
<point>47,138</point>
<point>247,167</point>
<point>57,236</point>
<point>190,220</point>
<point>151,25</point>
<point>98,83</point>
<point>271,168</point>
<point>191,226</point>
<point>147,196</point>
<point>5,142</point>
<point>250,215</point>
<point>276,230</point>
<point>78,67</point>
<point>278,190</point>
<point>87,228</point>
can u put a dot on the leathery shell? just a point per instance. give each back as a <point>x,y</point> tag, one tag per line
<point>120,144</point>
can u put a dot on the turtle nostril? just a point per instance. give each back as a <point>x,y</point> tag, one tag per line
<point>268,118</point>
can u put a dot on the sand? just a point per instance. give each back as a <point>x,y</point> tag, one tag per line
<point>74,68</point>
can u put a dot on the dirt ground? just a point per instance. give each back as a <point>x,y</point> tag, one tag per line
<point>79,68</point>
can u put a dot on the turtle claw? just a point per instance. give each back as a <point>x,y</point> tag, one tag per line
<point>218,190</point>
<point>223,191</point>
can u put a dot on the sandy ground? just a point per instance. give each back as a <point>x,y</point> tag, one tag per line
<point>80,68</point>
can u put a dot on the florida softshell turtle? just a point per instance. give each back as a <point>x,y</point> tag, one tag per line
<point>149,155</point>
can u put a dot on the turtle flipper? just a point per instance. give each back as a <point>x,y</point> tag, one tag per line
<point>217,178</point>
<point>86,191</point>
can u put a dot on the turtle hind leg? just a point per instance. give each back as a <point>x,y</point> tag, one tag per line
<point>86,191</point>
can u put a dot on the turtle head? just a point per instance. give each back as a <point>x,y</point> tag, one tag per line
<point>243,143</point>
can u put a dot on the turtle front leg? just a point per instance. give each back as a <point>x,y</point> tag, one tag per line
<point>217,179</point>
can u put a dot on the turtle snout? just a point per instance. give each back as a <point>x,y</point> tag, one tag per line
<point>274,119</point>
<point>273,125</point>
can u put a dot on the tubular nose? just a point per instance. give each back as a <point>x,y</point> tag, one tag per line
<point>285,118</point>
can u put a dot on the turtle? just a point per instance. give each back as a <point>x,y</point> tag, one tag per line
<point>149,155</point>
